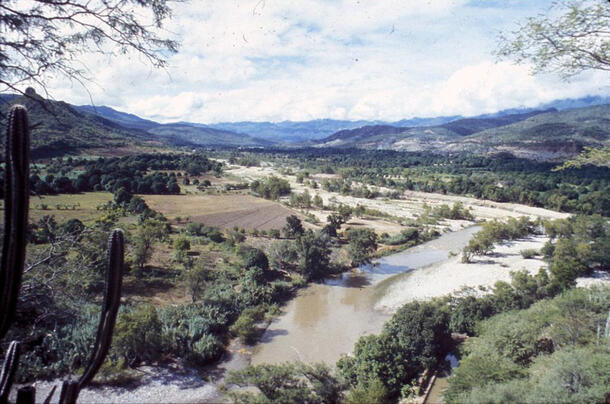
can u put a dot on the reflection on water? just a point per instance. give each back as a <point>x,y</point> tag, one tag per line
<point>326,319</point>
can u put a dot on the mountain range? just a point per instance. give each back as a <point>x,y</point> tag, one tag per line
<point>59,128</point>
<point>542,134</point>
<point>552,130</point>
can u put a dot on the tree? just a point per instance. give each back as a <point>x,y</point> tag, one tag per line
<point>577,39</point>
<point>362,243</point>
<point>148,233</point>
<point>196,278</point>
<point>122,196</point>
<point>335,220</point>
<point>254,257</point>
<point>181,244</point>
<point>44,37</point>
<point>294,227</point>
<point>314,255</point>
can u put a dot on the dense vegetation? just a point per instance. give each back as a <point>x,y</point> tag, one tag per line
<point>138,174</point>
<point>554,352</point>
<point>535,324</point>
<point>234,287</point>
<point>64,275</point>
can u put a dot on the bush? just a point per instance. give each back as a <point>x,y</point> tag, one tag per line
<point>253,257</point>
<point>137,335</point>
<point>467,311</point>
<point>271,187</point>
<point>551,350</point>
<point>245,327</point>
<point>205,350</point>
<point>190,331</point>
<point>416,337</point>
<point>294,382</point>
<point>529,253</point>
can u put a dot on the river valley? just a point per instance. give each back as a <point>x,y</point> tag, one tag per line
<point>326,319</point>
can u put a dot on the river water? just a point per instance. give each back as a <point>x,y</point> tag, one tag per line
<point>325,319</point>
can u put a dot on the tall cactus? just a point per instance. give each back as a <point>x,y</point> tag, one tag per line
<point>16,199</point>
<point>9,368</point>
<point>12,263</point>
<point>112,301</point>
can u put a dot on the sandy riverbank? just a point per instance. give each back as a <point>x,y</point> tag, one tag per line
<point>452,275</point>
<point>411,203</point>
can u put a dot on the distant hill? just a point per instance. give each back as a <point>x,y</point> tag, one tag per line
<point>314,130</point>
<point>559,129</point>
<point>188,134</point>
<point>546,134</point>
<point>378,136</point>
<point>550,135</point>
<point>288,131</point>
<point>178,134</point>
<point>58,129</point>
<point>123,118</point>
<point>305,131</point>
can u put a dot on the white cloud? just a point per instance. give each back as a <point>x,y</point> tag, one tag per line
<point>344,59</point>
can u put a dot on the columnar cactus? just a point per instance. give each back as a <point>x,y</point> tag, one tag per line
<point>16,204</point>
<point>9,368</point>
<point>16,199</point>
<point>112,301</point>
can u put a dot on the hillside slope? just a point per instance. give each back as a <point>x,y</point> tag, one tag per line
<point>59,129</point>
<point>180,133</point>
<point>549,135</point>
<point>546,134</point>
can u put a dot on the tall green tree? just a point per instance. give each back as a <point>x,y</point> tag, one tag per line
<point>362,244</point>
<point>294,227</point>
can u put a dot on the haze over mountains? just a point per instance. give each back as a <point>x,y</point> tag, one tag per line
<point>554,130</point>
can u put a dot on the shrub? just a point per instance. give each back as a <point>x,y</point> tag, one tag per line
<point>205,350</point>
<point>137,335</point>
<point>245,327</point>
<point>253,257</point>
<point>529,253</point>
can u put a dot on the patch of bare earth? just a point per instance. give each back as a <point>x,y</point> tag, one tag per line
<point>225,211</point>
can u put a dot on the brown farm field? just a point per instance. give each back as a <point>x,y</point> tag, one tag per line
<point>225,211</point>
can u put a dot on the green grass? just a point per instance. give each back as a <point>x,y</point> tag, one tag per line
<point>85,206</point>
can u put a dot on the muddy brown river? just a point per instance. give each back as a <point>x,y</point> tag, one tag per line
<point>325,319</point>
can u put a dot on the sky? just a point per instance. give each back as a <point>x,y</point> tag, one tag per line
<point>276,60</point>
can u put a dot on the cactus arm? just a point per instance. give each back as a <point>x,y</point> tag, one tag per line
<point>9,368</point>
<point>112,300</point>
<point>50,396</point>
<point>15,213</point>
